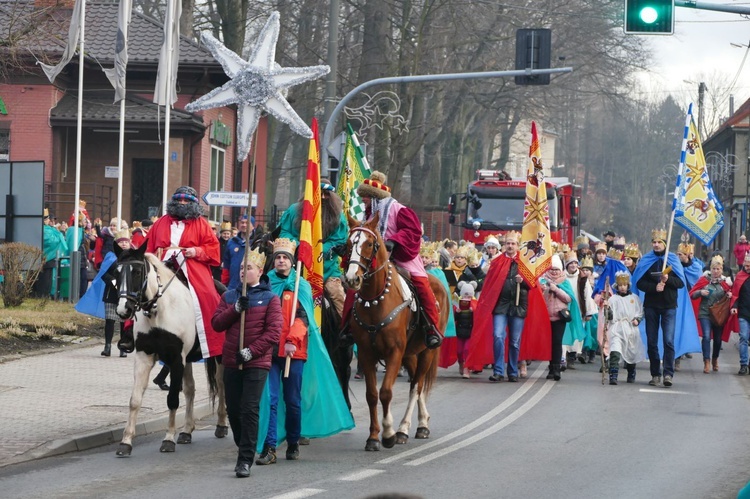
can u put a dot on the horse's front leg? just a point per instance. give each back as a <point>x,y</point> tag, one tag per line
<point>177,373</point>
<point>142,367</point>
<point>188,389</point>
<point>222,424</point>
<point>371,395</point>
<point>392,366</point>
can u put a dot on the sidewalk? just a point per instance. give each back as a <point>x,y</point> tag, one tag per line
<point>75,400</point>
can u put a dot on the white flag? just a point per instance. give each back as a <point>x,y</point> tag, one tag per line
<point>165,92</point>
<point>74,32</point>
<point>116,75</point>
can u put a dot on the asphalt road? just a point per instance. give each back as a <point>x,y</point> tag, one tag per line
<point>570,439</point>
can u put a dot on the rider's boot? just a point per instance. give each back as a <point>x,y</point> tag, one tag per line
<point>127,342</point>
<point>433,336</point>
<point>345,336</point>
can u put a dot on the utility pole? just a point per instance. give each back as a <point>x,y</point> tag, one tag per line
<point>701,92</point>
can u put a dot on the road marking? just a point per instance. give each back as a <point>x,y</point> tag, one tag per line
<point>477,422</point>
<point>361,475</point>
<point>299,494</point>
<point>663,390</point>
<point>546,387</point>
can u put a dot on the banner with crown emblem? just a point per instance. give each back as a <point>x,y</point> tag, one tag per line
<point>695,205</point>
<point>311,230</point>
<point>535,247</point>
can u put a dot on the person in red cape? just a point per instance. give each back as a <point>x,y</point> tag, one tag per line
<point>536,334</point>
<point>739,318</point>
<point>186,240</point>
<point>709,289</point>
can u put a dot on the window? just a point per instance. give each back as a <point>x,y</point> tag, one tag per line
<point>216,182</point>
<point>4,144</point>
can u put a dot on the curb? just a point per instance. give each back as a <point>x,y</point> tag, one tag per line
<point>106,436</point>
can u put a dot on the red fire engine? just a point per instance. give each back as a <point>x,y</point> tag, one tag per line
<point>494,205</point>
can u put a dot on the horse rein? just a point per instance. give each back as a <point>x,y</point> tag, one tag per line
<point>375,248</point>
<point>137,298</point>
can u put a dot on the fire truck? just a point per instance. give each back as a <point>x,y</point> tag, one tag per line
<point>493,204</point>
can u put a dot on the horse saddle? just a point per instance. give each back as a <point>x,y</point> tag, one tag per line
<point>419,319</point>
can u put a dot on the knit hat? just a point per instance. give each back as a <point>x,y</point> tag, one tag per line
<point>374,186</point>
<point>491,242</point>
<point>467,293</point>
<point>556,262</point>
<point>185,192</point>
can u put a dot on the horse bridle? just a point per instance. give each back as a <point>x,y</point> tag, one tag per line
<point>375,248</point>
<point>136,297</point>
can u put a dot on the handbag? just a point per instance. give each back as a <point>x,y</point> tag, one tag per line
<point>565,315</point>
<point>719,311</point>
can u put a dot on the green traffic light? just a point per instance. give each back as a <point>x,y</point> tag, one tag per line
<point>649,15</point>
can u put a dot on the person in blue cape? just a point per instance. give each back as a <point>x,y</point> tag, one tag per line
<point>692,266</point>
<point>606,265</point>
<point>312,403</point>
<point>669,329</point>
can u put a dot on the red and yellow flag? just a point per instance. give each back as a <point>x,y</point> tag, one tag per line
<point>310,250</point>
<point>535,247</point>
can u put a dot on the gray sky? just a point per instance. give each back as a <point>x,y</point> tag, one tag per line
<point>700,50</point>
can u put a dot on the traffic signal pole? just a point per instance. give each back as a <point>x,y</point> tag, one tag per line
<point>734,9</point>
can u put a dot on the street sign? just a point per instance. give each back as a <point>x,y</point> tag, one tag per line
<point>221,198</point>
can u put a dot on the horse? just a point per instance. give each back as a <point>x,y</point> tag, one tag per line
<point>385,323</point>
<point>164,329</point>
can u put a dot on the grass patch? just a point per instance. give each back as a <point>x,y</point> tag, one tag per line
<point>45,318</point>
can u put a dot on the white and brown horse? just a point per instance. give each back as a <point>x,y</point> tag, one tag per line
<point>164,329</point>
<point>384,323</point>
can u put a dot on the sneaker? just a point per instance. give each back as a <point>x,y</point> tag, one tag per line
<point>667,381</point>
<point>743,371</point>
<point>631,376</point>
<point>465,374</point>
<point>304,441</point>
<point>359,375</point>
<point>513,379</point>
<point>292,452</point>
<point>655,381</point>
<point>522,372</point>
<point>268,456</point>
<point>495,378</point>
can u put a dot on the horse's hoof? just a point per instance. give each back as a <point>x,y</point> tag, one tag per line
<point>389,442</point>
<point>167,446</point>
<point>184,438</point>
<point>422,433</point>
<point>221,431</point>
<point>372,444</point>
<point>401,438</point>
<point>124,450</point>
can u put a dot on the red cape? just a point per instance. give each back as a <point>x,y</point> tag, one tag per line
<point>199,235</point>
<point>696,302</point>
<point>733,323</point>
<point>536,337</point>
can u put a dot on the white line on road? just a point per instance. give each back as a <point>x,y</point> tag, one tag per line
<point>663,390</point>
<point>299,494</point>
<point>494,412</point>
<point>361,475</point>
<point>546,387</point>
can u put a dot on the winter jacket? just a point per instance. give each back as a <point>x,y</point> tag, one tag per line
<point>263,324</point>
<point>296,334</point>
<point>556,301</point>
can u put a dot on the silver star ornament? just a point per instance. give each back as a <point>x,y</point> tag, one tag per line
<point>256,85</point>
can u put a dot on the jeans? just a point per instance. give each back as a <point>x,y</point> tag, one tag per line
<point>292,387</point>
<point>243,389</point>
<point>710,331</point>
<point>744,334</point>
<point>666,318</point>
<point>515,325</point>
<point>558,331</point>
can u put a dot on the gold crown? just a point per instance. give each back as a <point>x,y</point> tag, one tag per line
<point>46,212</point>
<point>122,234</point>
<point>563,248</point>
<point>284,245</point>
<point>717,261</point>
<point>619,241</point>
<point>256,257</point>
<point>136,223</point>
<point>427,250</point>
<point>614,253</point>
<point>586,262</point>
<point>686,248</point>
<point>632,251</point>
<point>581,240</point>
<point>512,236</point>
<point>622,278</point>
<point>570,257</point>
<point>600,246</point>
<point>462,251</point>
<point>659,235</point>
<point>474,258</point>
<point>225,226</point>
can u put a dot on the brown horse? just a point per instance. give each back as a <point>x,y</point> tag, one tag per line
<point>385,324</point>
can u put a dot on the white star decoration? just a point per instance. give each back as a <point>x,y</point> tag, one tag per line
<point>256,85</point>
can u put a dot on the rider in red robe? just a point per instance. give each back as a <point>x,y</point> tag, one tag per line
<point>402,232</point>
<point>186,238</point>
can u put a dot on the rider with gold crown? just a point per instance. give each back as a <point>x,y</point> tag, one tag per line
<point>402,232</point>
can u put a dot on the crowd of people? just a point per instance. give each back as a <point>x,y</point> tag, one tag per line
<point>606,299</point>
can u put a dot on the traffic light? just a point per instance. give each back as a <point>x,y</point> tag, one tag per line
<point>649,17</point>
<point>533,51</point>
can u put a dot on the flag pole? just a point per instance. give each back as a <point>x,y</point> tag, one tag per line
<point>669,238</point>
<point>294,313</point>
<point>167,105</point>
<point>251,189</point>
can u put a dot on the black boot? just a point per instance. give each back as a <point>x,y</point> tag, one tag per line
<point>161,379</point>
<point>556,372</point>
<point>127,342</point>
<point>346,339</point>
<point>433,338</point>
<point>551,374</point>
<point>631,373</point>
<point>570,360</point>
<point>292,452</point>
<point>107,350</point>
<point>613,371</point>
<point>109,332</point>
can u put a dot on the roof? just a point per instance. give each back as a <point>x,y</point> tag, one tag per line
<point>738,120</point>
<point>50,31</point>
<point>100,111</point>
